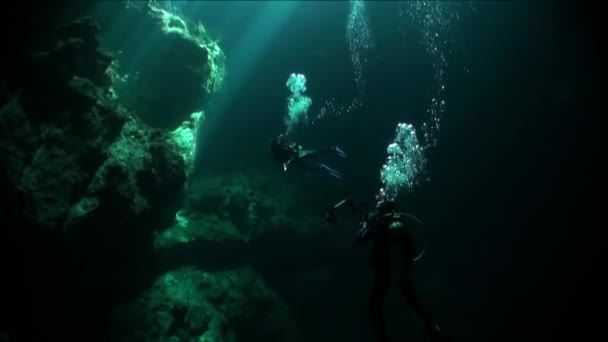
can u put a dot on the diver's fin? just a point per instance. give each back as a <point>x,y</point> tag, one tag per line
<point>340,152</point>
<point>331,171</point>
<point>339,176</point>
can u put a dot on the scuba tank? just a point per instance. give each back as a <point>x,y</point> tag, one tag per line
<point>378,222</point>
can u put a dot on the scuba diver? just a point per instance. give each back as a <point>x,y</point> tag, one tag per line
<point>288,152</point>
<point>392,258</point>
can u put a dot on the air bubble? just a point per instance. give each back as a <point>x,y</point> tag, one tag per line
<point>405,164</point>
<point>435,20</point>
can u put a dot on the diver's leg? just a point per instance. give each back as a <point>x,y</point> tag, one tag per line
<point>331,171</point>
<point>313,153</point>
<point>307,153</point>
<point>401,261</point>
<point>377,297</point>
<point>304,165</point>
<point>305,156</point>
<point>313,167</point>
<point>407,289</point>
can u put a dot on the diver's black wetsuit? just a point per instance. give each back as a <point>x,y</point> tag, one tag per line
<point>391,261</point>
<point>288,153</point>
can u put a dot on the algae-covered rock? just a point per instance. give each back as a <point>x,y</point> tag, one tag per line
<point>141,175</point>
<point>179,62</point>
<point>84,184</point>
<point>75,53</point>
<point>185,138</point>
<point>194,227</point>
<point>236,207</point>
<point>76,156</point>
<point>188,304</point>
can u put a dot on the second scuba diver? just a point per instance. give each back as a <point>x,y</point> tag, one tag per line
<point>391,261</point>
<point>289,153</point>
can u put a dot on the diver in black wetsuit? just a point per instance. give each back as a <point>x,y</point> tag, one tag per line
<point>391,261</point>
<point>288,153</point>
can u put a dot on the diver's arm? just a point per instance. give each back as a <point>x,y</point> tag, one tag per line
<point>287,163</point>
<point>363,235</point>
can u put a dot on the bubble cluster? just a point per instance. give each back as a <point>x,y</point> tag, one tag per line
<point>359,40</point>
<point>296,83</point>
<point>331,108</point>
<point>175,23</point>
<point>297,103</point>
<point>435,20</point>
<point>405,164</point>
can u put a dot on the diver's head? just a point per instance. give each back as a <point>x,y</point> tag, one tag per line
<point>277,141</point>
<point>282,150</point>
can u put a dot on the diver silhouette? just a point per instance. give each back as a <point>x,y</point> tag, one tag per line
<point>289,153</point>
<point>391,261</point>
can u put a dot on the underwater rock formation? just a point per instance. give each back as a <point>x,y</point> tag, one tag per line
<point>237,208</point>
<point>248,218</point>
<point>74,156</point>
<point>166,79</point>
<point>84,182</point>
<point>191,305</point>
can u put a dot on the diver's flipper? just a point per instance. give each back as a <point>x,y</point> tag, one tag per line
<point>335,174</point>
<point>331,171</point>
<point>340,152</point>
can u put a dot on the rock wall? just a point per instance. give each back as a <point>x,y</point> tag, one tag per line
<point>171,68</point>
<point>85,183</point>
<point>90,188</point>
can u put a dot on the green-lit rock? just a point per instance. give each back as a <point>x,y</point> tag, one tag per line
<point>236,207</point>
<point>188,304</point>
<point>185,138</point>
<point>84,184</point>
<point>180,62</point>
